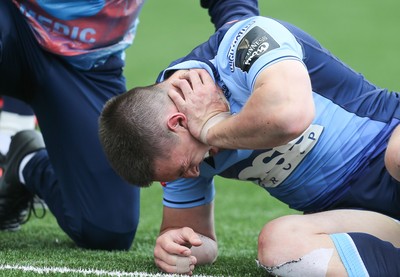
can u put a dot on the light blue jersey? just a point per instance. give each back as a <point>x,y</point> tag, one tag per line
<point>353,121</point>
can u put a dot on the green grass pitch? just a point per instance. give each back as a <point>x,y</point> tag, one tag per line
<point>363,33</point>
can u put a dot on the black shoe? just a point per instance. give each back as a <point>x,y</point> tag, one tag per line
<point>15,200</point>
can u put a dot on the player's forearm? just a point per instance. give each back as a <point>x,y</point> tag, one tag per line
<point>271,117</point>
<point>252,131</point>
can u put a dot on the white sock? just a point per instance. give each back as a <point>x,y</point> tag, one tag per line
<point>10,124</point>
<point>4,143</point>
<point>24,161</point>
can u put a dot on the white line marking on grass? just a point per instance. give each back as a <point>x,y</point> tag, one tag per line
<point>66,270</point>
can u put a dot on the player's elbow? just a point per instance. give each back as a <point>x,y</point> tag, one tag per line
<point>208,257</point>
<point>293,123</point>
<point>207,253</point>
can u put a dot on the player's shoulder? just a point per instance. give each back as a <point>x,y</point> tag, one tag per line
<point>250,29</point>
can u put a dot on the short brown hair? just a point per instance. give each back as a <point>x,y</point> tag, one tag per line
<point>132,132</point>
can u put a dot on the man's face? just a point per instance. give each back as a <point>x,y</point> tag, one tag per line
<point>185,155</point>
<point>184,161</point>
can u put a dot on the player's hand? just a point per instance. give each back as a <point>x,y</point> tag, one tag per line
<point>172,252</point>
<point>197,96</point>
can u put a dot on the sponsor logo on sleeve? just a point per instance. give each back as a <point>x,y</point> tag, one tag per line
<point>231,52</point>
<point>253,45</point>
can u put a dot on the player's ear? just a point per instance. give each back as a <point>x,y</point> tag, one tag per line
<point>177,120</point>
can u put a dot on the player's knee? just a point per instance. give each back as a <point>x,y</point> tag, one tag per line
<point>392,163</point>
<point>95,237</point>
<point>284,248</point>
<point>274,239</point>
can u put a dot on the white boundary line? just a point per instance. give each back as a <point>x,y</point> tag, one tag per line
<point>66,270</point>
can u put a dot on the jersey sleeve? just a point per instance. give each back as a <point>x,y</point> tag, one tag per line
<point>186,64</point>
<point>189,192</point>
<point>249,47</point>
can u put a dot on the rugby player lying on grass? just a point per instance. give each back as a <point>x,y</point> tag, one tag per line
<point>299,123</point>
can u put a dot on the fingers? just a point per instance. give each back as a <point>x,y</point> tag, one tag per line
<point>183,86</point>
<point>171,245</point>
<point>201,81</point>
<point>177,98</point>
<point>182,239</point>
<point>172,252</point>
<point>173,258</point>
<point>179,92</point>
<point>204,76</point>
<point>182,265</point>
<point>198,77</point>
<point>196,95</point>
<point>191,236</point>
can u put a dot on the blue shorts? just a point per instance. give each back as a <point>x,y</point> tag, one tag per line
<point>92,204</point>
<point>373,190</point>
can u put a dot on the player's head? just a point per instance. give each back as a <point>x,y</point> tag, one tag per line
<point>146,138</point>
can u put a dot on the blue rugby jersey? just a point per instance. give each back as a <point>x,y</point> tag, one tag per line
<point>353,121</point>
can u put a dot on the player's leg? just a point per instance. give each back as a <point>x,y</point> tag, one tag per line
<point>17,54</point>
<point>15,39</point>
<point>392,154</point>
<point>333,243</point>
<point>99,209</point>
<point>372,189</point>
<point>90,202</point>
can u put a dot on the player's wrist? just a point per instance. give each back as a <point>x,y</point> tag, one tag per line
<point>211,122</point>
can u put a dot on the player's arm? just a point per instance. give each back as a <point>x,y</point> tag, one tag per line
<point>223,11</point>
<point>279,110</point>
<point>187,238</point>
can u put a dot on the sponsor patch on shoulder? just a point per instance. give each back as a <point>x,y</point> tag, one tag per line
<point>253,45</point>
